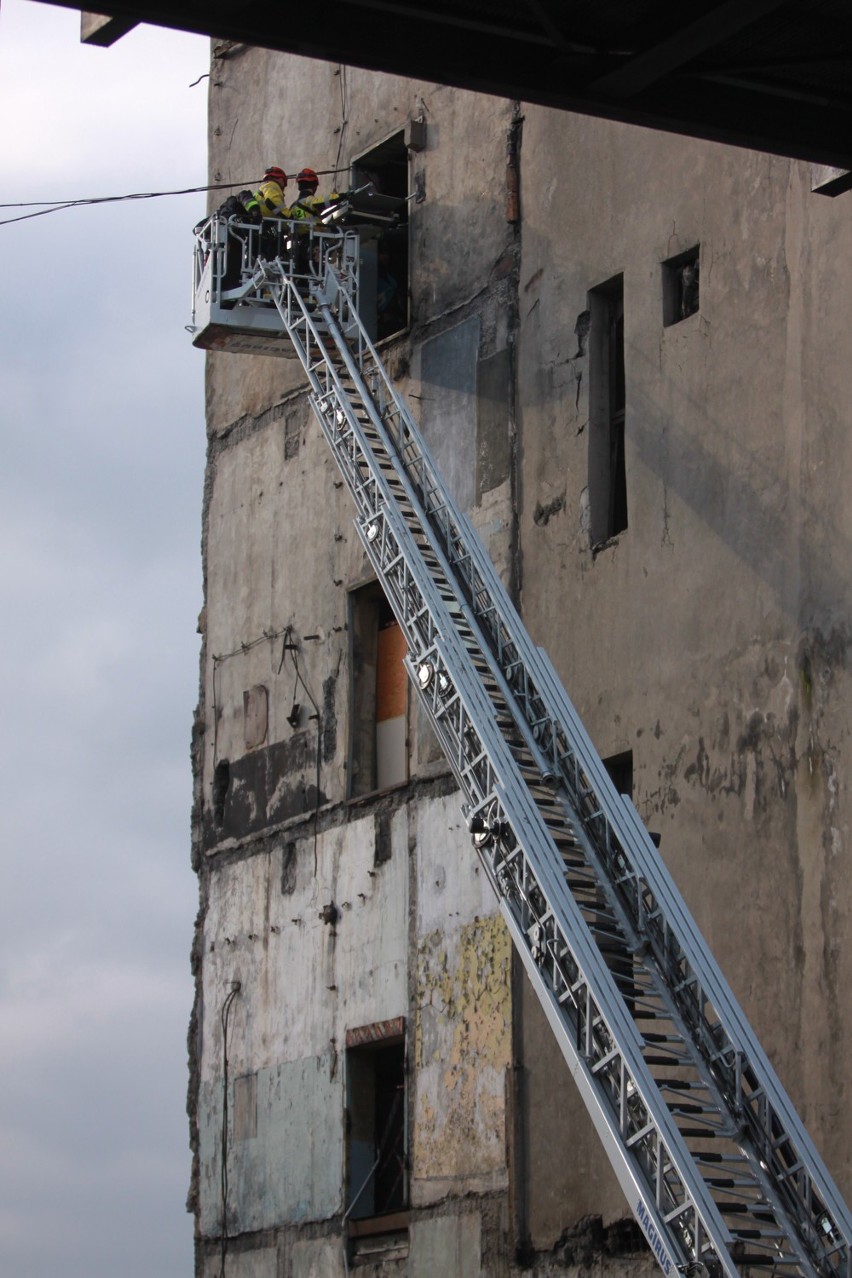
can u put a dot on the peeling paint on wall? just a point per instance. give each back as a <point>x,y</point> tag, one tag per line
<point>462,1049</point>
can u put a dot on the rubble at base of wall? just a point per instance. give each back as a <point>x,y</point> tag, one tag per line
<point>590,1249</point>
<point>466,1241</point>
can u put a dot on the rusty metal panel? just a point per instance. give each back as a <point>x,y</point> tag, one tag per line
<point>378,1032</point>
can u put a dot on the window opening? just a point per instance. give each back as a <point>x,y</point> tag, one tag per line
<point>382,213</point>
<point>681,277</point>
<point>378,754</point>
<point>618,957</point>
<point>620,769</point>
<point>377,1165</point>
<point>221,785</point>
<point>607,405</point>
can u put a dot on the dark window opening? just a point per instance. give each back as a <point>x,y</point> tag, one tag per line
<point>221,785</point>
<point>607,473</point>
<point>618,957</point>
<point>681,277</point>
<point>382,212</point>
<point>377,1162</point>
<point>620,769</point>
<point>378,739</point>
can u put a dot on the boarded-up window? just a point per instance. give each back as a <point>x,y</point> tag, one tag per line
<point>378,754</point>
<point>391,699</point>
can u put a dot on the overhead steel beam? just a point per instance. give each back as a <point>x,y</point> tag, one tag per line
<point>100,29</point>
<point>682,46</point>
<point>520,52</point>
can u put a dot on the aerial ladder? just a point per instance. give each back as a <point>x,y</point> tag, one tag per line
<point>713,1159</point>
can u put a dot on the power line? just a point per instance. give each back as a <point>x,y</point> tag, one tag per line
<point>44,207</point>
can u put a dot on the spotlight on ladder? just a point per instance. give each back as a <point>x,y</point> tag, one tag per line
<point>480,832</point>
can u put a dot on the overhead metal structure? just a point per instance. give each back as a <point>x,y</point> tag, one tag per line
<point>775,75</point>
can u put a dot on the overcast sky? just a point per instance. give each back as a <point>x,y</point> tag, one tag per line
<point>102,432</point>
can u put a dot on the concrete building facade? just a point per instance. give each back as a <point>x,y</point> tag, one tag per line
<point>629,355</point>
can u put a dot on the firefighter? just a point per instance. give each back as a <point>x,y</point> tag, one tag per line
<point>268,203</point>
<point>309,205</point>
<point>305,212</point>
<point>268,200</point>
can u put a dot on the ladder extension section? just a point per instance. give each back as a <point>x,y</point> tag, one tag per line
<point>715,1163</point>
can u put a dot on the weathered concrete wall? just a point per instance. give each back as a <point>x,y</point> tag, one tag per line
<point>711,637</point>
<point>303,982</point>
<point>417,935</point>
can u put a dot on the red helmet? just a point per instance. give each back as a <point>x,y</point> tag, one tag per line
<point>274,174</point>
<point>307,177</point>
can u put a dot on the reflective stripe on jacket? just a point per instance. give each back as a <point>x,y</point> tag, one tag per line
<point>268,201</point>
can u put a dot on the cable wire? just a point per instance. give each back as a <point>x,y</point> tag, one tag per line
<point>44,207</point>
<point>225,1014</point>
<point>289,646</point>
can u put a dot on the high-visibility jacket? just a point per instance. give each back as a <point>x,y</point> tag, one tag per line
<point>307,208</point>
<point>268,201</point>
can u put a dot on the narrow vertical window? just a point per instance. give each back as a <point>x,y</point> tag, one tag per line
<point>607,474</point>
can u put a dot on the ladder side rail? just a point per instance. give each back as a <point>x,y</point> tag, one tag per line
<point>612,1060</point>
<point>643,1204</point>
<point>328,399</point>
<point>379,424</point>
<point>338,411</point>
<point>821,1236</point>
<point>734,1049</point>
<point>332,331</point>
<point>631,940</point>
<point>461,549</point>
<point>825,1221</point>
<point>611,839</point>
<point>631,935</point>
<point>730,1045</point>
<point>464,550</point>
